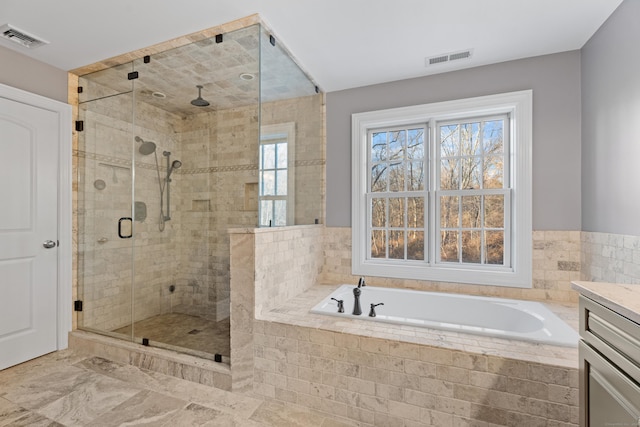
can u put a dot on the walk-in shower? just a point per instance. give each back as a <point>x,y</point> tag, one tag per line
<point>187,172</point>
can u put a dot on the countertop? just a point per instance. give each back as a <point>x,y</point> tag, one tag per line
<point>618,297</point>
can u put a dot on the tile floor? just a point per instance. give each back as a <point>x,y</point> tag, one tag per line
<point>67,389</point>
<point>185,332</point>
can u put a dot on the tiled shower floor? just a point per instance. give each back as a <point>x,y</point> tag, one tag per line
<point>184,331</point>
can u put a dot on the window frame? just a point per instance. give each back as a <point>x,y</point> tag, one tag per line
<point>271,134</point>
<point>518,107</point>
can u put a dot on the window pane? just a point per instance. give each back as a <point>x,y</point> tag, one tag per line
<point>449,212</point>
<point>268,183</point>
<point>396,244</point>
<point>494,242</point>
<point>415,212</point>
<point>494,211</point>
<point>396,177</point>
<point>471,172</point>
<point>379,178</point>
<point>378,244</point>
<point>378,212</point>
<point>269,156</point>
<point>449,141</point>
<point>469,143</point>
<point>415,245</point>
<point>471,246</point>
<point>397,142</point>
<point>281,184</point>
<point>378,146</point>
<point>471,212</point>
<point>396,212</point>
<point>449,246</point>
<point>492,137</point>
<point>282,155</point>
<point>280,214</point>
<point>415,144</point>
<point>266,212</point>
<point>493,175</point>
<point>449,175</point>
<point>416,176</point>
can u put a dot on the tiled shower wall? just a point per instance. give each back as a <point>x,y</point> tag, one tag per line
<point>214,190</point>
<point>556,262</point>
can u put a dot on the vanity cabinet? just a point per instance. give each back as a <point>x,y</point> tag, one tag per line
<point>609,367</point>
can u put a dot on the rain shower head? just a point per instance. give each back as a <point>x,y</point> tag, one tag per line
<point>199,101</point>
<point>147,147</point>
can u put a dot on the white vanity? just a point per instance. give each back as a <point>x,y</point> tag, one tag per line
<point>609,354</point>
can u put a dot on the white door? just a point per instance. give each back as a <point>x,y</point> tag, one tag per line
<point>29,138</point>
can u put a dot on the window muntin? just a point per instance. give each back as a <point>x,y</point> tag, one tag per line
<point>396,189</point>
<point>473,191</point>
<point>273,183</point>
<point>498,250</point>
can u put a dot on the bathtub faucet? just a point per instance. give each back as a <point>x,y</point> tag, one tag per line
<point>357,310</point>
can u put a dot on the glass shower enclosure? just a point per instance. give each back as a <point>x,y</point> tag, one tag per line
<point>174,149</point>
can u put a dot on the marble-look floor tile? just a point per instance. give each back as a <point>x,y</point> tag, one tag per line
<point>279,415</point>
<point>146,408</point>
<point>37,391</point>
<point>32,419</point>
<point>93,396</point>
<point>198,415</point>
<point>10,412</point>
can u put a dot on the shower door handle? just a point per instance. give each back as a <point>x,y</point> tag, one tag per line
<point>125,228</point>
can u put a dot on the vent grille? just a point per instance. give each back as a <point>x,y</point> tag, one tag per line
<point>466,54</point>
<point>21,37</point>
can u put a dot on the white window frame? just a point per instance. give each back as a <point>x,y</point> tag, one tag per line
<point>268,135</point>
<point>518,106</point>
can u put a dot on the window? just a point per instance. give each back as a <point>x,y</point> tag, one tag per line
<point>276,181</point>
<point>442,191</point>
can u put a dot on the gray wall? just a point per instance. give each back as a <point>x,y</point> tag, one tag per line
<point>25,73</point>
<point>611,125</point>
<point>555,81</point>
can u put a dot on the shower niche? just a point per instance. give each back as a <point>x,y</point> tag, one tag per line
<point>177,137</point>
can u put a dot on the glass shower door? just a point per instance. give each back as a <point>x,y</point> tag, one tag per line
<point>104,214</point>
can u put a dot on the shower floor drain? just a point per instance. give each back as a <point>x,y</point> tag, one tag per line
<point>194,331</point>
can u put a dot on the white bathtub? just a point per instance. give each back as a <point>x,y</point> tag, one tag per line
<point>497,317</point>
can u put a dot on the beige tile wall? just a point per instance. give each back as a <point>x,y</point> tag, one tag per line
<point>556,262</point>
<point>611,258</point>
<point>390,383</point>
<point>209,195</point>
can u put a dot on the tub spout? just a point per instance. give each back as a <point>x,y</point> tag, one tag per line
<point>357,310</point>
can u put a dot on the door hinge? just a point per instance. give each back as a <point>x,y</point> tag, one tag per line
<point>77,305</point>
<point>80,89</point>
<point>79,125</point>
<point>219,38</point>
<point>132,75</point>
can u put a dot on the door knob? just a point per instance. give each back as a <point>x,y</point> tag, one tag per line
<point>48,244</point>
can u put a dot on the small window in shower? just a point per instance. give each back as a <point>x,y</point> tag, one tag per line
<point>276,175</point>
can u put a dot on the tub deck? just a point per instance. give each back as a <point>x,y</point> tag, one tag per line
<point>296,311</point>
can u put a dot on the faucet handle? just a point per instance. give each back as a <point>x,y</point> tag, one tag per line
<point>361,282</point>
<point>340,305</point>
<point>372,312</point>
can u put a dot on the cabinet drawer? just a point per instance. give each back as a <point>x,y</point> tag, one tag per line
<point>611,334</point>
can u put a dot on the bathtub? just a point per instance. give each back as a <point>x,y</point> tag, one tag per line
<point>496,317</point>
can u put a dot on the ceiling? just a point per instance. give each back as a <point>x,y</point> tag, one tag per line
<point>341,44</point>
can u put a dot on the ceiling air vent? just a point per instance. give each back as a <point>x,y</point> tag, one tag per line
<point>447,57</point>
<point>21,37</point>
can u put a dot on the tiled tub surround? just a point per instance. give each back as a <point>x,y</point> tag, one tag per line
<point>613,258</point>
<point>556,262</point>
<point>382,374</point>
